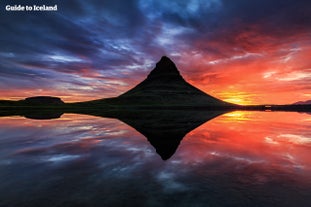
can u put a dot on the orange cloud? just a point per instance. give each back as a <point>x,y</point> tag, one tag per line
<point>260,70</point>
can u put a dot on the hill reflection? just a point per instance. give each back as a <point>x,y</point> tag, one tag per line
<point>164,129</point>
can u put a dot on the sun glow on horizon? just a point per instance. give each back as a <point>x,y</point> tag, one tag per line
<point>236,97</point>
<point>236,100</point>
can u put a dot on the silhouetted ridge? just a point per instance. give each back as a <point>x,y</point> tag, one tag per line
<point>164,86</point>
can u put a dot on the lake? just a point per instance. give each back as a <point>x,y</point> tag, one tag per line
<point>239,158</point>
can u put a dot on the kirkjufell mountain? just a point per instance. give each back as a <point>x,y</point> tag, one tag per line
<point>164,86</point>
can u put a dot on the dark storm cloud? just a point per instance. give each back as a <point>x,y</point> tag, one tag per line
<point>289,11</point>
<point>80,33</point>
<point>273,18</point>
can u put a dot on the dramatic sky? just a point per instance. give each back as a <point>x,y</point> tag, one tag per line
<point>242,51</point>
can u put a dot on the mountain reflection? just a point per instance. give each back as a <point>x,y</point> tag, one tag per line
<point>248,158</point>
<point>164,129</point>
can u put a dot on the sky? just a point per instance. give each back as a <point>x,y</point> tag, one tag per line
<point>241,51</point>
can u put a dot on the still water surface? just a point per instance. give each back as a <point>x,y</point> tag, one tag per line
<point>235,159</point>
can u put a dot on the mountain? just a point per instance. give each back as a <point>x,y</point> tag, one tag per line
<point>165,87</point>
<point>303,102</point>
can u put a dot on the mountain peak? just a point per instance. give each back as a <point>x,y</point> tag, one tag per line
<point>165,67</point>
<point>165,61</point>
<point>164,86</point>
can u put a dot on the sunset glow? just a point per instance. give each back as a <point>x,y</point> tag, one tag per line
<point>229,49</point>
<point>248,139</point>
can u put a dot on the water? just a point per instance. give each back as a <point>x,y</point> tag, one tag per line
<point>235,159</point>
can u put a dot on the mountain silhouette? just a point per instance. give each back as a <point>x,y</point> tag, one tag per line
<point>165,87</point>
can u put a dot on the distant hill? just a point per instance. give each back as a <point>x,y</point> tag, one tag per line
<point>34,101</point>
<point>164,86</point>
<point>303,102</point>
<point>43,100</point>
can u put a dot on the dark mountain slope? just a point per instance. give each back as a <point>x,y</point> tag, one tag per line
<point>164,86</point>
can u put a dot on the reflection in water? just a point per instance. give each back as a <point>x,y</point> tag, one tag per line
<point>236,159</point>
<point>33,114</point>
<point>262,137</point>
<point>165,129</point>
